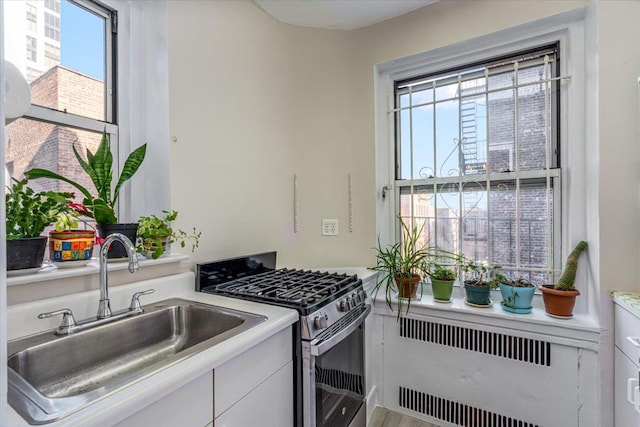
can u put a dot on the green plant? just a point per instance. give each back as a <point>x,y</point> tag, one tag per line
<point>154,233</point>
<point>568,277</point>
<point>440,272</point>
<point>29,213</point>
<point>518,282</point>
<point>404,259</point>
<point>99,168</point>
<point>482,273</point>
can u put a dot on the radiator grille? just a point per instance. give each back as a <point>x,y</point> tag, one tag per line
<point>508,346</point>
<point>455,412</point>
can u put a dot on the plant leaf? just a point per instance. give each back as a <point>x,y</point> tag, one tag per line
<point>130,167</point>
<point>43,173</point>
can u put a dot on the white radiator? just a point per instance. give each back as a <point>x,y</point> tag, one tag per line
<point>462,374</point>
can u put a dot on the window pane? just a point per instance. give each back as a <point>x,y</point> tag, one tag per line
<point>64,59</point>
<point>33,144</point>
<point>447,138</point>
<point>501,132</point>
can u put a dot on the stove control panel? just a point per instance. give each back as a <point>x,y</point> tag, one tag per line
<point>326,316</point>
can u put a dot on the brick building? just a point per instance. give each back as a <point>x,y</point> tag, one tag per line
<point>34,144</point>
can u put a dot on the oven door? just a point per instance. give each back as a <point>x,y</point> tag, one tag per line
<point>333,377</point>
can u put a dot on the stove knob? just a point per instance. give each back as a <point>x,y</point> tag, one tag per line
<point>344,304</point>
<point>320,322</point>
<point>354,300</point>
<point>363,295</point>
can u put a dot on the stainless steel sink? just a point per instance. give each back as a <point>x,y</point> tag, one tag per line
<point>52,376</point>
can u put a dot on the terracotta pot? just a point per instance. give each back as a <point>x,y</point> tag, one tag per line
<point>407,286</point>
<point>558,303</point>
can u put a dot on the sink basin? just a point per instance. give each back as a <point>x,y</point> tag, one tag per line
<point>52,376</point>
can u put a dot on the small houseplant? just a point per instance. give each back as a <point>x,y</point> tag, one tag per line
<point>517,295</point>
<point>155,234</point>
<point>68,245</point>
<point>442,276</point>
<point>479,279</point>
<point>560,298</point>
<point>400,266</point>
<point>101,206</point>
<point>27,215</point>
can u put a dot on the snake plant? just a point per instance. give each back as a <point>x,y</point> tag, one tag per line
<point>98,166</point>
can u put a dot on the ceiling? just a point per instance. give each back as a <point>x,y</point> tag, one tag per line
<point>338,14</point>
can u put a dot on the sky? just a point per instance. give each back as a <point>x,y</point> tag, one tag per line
<point>81,40</point>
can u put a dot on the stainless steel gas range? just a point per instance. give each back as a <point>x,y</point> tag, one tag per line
<point>328,340</point>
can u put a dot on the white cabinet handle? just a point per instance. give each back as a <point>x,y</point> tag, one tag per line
<point>633,393</point>
<point>634,340</point>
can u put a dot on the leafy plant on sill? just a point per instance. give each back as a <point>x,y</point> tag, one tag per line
<point>99,168</point>
<point>482,274</point>
<point>518,282</point>
<point>404,259</point>
<point>28,213</point>
<point>155,234</point>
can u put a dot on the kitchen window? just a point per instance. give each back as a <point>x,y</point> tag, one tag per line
<point>475,157</point>
<point>72,91</point>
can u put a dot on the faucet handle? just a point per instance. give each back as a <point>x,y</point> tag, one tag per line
<point>67,323</point>
<point>135,299</point>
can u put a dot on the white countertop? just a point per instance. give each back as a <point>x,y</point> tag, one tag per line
<point>122,404</point>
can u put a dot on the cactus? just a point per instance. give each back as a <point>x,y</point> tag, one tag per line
<point>568,277</point>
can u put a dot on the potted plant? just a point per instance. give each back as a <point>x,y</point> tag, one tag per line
<point>517,295</point>
<point>479,279</point>
<point>27,215</point>
<point>560,298</point>
<point>155,234</point>
<point>442,279</point>
<point>70,246</point>
<point>101,206</point>
<point>400,266</point>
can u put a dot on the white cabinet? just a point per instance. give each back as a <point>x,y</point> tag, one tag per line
<point>191,405</point>
<point>627,366</point>
<point>270,404</point>
<point>256,388</point>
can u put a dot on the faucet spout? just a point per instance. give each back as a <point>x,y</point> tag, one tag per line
<point>104,306</point>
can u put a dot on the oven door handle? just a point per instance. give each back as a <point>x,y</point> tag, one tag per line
<point>324,346</point>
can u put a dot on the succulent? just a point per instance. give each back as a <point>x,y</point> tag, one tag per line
<point>568,277</point>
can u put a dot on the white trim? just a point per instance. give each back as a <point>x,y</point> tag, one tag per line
<point>3,259</point>
<point>567,29</point>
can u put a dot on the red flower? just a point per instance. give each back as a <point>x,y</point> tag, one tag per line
<point>78,207</point>
<point>99,240</point>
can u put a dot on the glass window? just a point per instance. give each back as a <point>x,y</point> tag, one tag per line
<point>477,160</point>
<point>71,86</point>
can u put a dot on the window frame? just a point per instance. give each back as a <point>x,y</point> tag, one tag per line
<point>407,184</point>
<point>568,30</point>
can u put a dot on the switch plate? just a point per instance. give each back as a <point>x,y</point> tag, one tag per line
<point>329,227</point>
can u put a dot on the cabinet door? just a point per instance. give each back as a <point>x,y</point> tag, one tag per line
<point>268,405</point>
<point>625,414</point>
<point>191,405</point>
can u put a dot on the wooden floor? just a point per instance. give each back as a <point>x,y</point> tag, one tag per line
<point>385,418</point>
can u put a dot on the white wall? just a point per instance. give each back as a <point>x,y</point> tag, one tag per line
<point>253,102</point>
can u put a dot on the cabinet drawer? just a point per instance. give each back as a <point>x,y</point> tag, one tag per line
<point>625,413</point>
<point>240,375</point>
<point>627,325</point>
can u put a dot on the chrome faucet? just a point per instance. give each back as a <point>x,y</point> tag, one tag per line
<point>69,324</point>
<point>104,307</point>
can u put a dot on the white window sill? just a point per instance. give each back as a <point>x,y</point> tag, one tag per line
<point>51,272</point>
<point>581,330</point>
